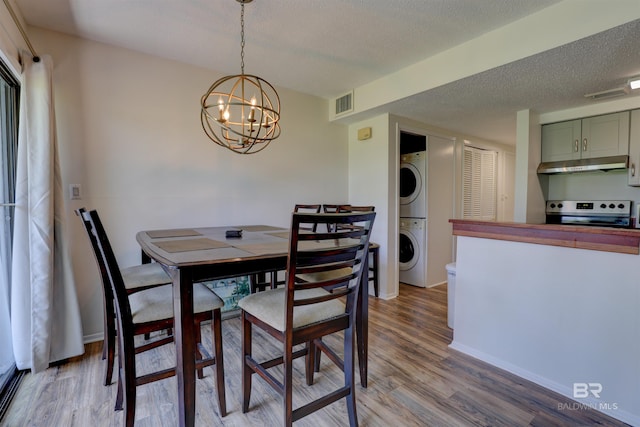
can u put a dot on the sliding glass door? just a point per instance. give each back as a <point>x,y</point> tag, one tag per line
<point>9,94</point>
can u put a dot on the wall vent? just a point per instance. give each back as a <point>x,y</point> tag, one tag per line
<point>611,93</point>
<point>344,104</point>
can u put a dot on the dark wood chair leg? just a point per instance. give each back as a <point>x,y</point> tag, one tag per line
<point>288,381</point>
<point>246,370</point>
<point>108,343</point>
<point>316,357</point>
<point>105,327</point>
<point>253,283</point>
<point>216,328</point>
<point>349,377</point>
<point>374,270</point>
<point>198,334</point>
<point>310,360</point>
<point>129,400</point>
<point>120,395</point>
<point>362,328</point>
<point>128,377</point>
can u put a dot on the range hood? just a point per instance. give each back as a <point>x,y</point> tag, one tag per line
<point>584,165</point>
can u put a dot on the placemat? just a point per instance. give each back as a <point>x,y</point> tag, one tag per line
<point>189,245</point>
<point>280,247</point>
<point>155,234</point>
<point>282,234</point>
<point>258,228</point>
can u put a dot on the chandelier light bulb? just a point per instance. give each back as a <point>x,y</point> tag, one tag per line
<point>252,112</point>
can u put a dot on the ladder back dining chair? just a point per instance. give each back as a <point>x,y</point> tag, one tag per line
<point>330,208</point>
<point>316,302</point>
<point>147,311</point>
<point>260,282</point>
<point>308,209</point>
<point>135,278</point>
<point>374,248</point>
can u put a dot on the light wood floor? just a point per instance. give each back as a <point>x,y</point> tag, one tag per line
<point>414,380</point>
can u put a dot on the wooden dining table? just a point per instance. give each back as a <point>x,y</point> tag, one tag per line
<point>191,255</point>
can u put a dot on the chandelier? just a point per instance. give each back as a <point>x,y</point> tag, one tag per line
<point>241,112</point>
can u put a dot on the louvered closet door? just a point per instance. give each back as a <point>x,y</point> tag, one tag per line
<point>479,184</point>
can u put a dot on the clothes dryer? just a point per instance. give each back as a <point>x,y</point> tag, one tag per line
<point>413,251</point>
<point>413,185</point>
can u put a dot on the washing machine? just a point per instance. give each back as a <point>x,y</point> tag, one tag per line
<point>413,251</point>
<point>413,185</point>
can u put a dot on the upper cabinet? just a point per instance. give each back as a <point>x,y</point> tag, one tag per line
<point>634,149</point>
<point>561,141</point>
<point>599,136</point>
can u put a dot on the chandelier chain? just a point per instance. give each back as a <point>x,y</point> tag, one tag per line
<point>242,38</point>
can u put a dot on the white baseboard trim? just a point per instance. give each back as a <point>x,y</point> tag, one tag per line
<point>605,408</point>
<point>93,337</point>
<point>387,297</point>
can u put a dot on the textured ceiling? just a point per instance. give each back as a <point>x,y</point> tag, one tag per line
<point>485,105</point>
<point>328,47</point>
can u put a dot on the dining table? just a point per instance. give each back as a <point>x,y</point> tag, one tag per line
<point>191,255</point>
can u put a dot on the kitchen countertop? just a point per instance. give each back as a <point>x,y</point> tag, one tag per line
<point>619,240</point>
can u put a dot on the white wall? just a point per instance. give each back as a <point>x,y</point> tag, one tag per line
<point>373,179</point>
<point>11,42</point>
<point>506,186</point>
<point>372,182</point>
<point>529,195</point>
<point>553,315</point>
<point>130,134</point>
<point>441,178</point>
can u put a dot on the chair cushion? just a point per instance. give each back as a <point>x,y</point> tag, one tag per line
<point>269,306</point>
<point>144,275</point>
<point>157,303</point>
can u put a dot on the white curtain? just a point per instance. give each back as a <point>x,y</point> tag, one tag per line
<point>45,317</point>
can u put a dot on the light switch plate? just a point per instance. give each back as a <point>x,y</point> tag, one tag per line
<point>74,192</point>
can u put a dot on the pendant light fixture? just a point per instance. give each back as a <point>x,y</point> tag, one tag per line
<point>241,112</point>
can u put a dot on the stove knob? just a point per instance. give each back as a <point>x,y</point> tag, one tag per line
<point>552,205</point>
<point>611,205</point>
<point>621,206</point>
<point>602,206</point>
<point>560,205</point>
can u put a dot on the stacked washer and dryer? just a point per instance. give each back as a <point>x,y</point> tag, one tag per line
<point>413,209</point>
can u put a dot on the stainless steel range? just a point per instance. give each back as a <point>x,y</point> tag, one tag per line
<point>603,213</point>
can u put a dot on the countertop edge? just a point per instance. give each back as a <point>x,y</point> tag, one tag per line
<point>618,240</point>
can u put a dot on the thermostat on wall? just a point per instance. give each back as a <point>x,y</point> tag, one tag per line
<point>364,133</point>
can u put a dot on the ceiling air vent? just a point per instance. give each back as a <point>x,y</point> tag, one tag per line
<point>344,104</point>
<point>611,93</point>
